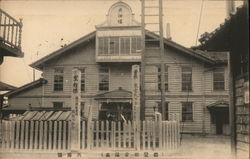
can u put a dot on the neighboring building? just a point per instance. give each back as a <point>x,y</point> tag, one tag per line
<point>3,89</point>
<point>196,81</point>
<point>233,36</point>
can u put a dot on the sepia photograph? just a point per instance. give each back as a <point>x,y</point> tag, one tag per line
<point>124,79</point>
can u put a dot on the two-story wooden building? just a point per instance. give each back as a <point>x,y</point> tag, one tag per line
<point>196,81</point>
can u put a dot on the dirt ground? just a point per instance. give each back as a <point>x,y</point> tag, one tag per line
<point>205,147</point>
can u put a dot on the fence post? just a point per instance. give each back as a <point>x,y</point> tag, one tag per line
<point>17,146</point>
<point>160,141</point>
<point>129,134</point>
<point>31,134</point>
<point>55,136</point>
<point>107,134</point>
<point>26,140</point>
<point>13,134</point>
<point>45,135</point>
<point>50,136</point>
<point>96,131</point>
<point>64,135</point>
<point>83,134</point>
<point>119,134</point>
<point>102,134</point>
<point>22,135</point>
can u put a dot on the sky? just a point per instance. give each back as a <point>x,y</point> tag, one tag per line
<point>48,24</point>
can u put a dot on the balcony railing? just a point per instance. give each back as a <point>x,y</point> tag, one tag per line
<point>10,31</point>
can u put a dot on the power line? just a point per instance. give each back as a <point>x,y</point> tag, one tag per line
<point>199,23</point>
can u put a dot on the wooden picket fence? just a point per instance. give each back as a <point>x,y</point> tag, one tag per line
<point>102,135</point>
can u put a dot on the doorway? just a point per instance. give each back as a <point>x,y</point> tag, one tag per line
<point>115,111</point>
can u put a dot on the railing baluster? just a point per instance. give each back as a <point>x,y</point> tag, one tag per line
<point>12,32</point>
<point>4,29</point>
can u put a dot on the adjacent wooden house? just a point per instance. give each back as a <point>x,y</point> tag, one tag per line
<point>196,81</point>
<point>232,36</point>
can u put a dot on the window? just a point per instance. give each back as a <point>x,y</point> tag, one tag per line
<point>125,45</point>
<point>219,79</point>
<point>166,78</point>
<point>186,78</point>
<point>114,45</point>
<point>57,105</point>
<point>82,79</point>
<point>136,44</point>
<point>82,109</point>
<point>166,110</point>
<point>104,79</point>
<point>187,111</point>
<point>58,79</point>
<point>119,45</point>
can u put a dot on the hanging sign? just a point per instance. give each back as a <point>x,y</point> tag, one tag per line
<point>136,92</point>
<point>75,109</point>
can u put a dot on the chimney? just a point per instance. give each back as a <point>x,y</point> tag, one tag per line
<point>230,7</point>
<point>168,34</point>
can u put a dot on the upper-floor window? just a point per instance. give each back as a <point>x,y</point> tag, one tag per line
<point>58,79</point>
<point>166,78</point>
<point>57,105</point>
<point>219,79</point>
<point>104,79</point>
<point>187,111</point>
<point>119,45</point>
<point>165,110</point>
<point>186,78</point>
<point>82,79</point>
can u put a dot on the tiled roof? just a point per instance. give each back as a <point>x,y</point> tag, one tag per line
<point>25,87</point>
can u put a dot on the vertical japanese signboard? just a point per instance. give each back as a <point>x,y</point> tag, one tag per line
<point>136,92</point>
<point>75,109</point>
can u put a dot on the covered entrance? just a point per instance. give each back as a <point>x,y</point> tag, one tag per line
<point>219,112</point>
<point>115,111</point>
<point>115,105</point>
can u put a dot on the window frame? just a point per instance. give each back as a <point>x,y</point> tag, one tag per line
<point>123,45</point>
<point>183,82</point>
<point>159,78</point>
<point>56,82</point>
<point>185,113</point>
<point>221,71</point>
<point>99,81</point>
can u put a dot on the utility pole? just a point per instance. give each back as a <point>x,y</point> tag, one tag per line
<point>158,41</point>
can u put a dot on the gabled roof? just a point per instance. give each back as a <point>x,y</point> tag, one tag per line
<point>119,93</point>
<point>6,87</point>
<point>168,43</point>
<point>25,87</point>
<point>62,50</point>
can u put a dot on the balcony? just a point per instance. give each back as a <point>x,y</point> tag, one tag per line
<point>10,36</point>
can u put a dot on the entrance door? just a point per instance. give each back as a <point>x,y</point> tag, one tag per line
<point>115,111</point>
<point>219,124</point>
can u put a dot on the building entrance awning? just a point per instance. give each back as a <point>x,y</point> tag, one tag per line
<point>118,95</point>
<point>218,105</point>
